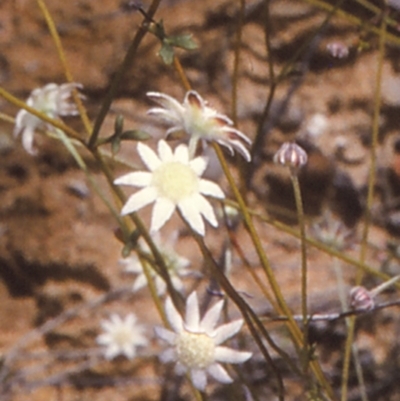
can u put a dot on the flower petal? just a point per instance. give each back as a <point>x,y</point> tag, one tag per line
<point>112,351</point>
<point>173,316</point>
<point>27,140</point>
<point>235,135</point>
<point>192,316</point>
<point>182,154</point>
<point>150,159</point>
<point>219,373</point>
<point>180,369</point>
<point>199,378</point>
<point>177,283</point>
<point>103,339</point>
<point>165,334</point>
<point>210,319</point>
<point>140,282</point>
<point>164,151</point>
<point>226,331</point>
<point>136,179</point>
<point>193,99</point>
<point>132,264</point>
<point>168,355</point>
<point>166,101</point>
<point>168,116</point>
<point>128,350</point>
<point>199,164</point>
<point>210,188</point>
<point>139,200</point>
<point>205,209</point>
<point>162,211</point>
<point>192,215</point>
<point>238,146</point>
<point>228,355</point>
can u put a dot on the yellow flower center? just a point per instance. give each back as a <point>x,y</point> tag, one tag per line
<point>198,124</point>
<point>122,336</point>
<point>175,181</point>
<point>195,350</point>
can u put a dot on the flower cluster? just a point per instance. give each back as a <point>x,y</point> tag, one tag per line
<point>177,266</point>
<point>195,344</point>
<point>173,181</point>
<point>52,100</point>
<point>122,336</point>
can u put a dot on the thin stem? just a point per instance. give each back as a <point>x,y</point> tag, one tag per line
<point>283,307</point>
<point>61,55</point>
<point>126,64</point>
<point>181,73</point>
<point>316,244</point>
<point>250,269</point>
<point>153,290</point>
<point>389,37</point>
<point>300,215</point>
<point>236,61</point>
<point>370,195</point>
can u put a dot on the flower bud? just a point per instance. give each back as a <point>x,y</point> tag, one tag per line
<point>291,155</point>
<point>337,49</point>
<point>361,298</point>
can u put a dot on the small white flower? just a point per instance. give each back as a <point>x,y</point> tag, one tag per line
<point>195,344</point>
<point>199,121</point>
<point>52,100</point>
<point>122,336</point>
<point>173,182</point>
<point>177,266</point>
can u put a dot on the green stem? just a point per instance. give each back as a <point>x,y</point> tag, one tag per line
<point>370,195</point>
<point>300,215</point>
<point>63,59</point>
<point>236,61</point>
<point>389,37</point>
<point>316,244</point>
<point>128,60</point>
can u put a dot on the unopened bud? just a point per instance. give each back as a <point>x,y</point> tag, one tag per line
<point>337,49</point>
<point>361,298</point>
<point>291,155</point>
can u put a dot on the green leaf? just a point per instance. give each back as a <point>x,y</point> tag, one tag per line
<point>135,135</point>
<point>184,41</point>
<point>115,145</point>
<point>126,250</point>
<point>118,125</point>
<point>166,53</point>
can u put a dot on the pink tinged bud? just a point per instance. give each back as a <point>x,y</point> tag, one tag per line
<point>291,155</point>
<point>337,49</point>
<point>361,298</point>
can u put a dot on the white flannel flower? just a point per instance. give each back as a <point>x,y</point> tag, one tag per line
<point>122,336</point>
<point>199,121</point>
<point>177,267</point>
<point>195,344</point>
<point>173,182</point>
<point>52,100</point>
